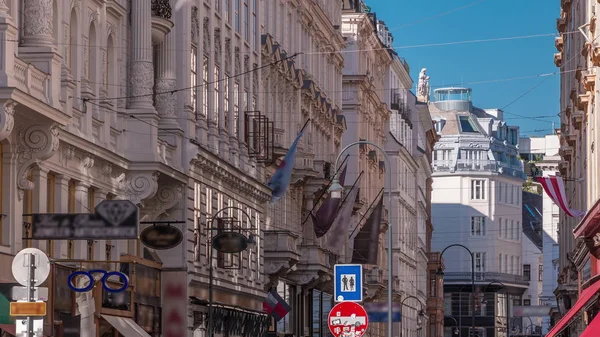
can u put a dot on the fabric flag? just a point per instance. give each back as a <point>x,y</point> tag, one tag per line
<point>339,230</point>
<point>325,215</point>
<point>555,189</point>
<point>366,242</point>
<point>283,175</point>
<point>276,306</point>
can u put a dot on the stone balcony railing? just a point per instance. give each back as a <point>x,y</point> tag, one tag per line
<point>515,170</point>
<point>161,8</point>
<point>31,80</point>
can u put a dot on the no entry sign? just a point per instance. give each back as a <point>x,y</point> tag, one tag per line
<point>348,319</point>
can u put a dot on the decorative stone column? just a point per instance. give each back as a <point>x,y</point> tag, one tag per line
<point>142,68</point>
<point>166,103</point>
<point>37,25</point>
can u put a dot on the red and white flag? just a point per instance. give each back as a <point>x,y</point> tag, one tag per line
<point>276,306</point>
<point>555,189</point>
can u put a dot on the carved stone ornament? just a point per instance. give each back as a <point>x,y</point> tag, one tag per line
<point>228,55</point>
<point>87,162</point>
<point>104,68</point>
<point>217,45</point>
<point>166,101</point>
<point>35,144</point>
<point>246,70</point>
<point>142,77</point>
<point>166,197</point>
<point>38,15</point>
<point>7,118</point>
<point>255,78</point>
<point>206,32</point>
<point>138,186</point>
<point>238,62</point>
<point>195,24</point>
<point>86,58</point>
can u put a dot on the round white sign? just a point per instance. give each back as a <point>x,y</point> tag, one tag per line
<point>20,266</point>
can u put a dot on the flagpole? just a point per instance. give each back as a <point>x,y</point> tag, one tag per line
<point>336,187</point>
<point>304,126</point>
<point>367,212</point>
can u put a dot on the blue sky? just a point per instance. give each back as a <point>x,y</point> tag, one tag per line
<point>415,23</point>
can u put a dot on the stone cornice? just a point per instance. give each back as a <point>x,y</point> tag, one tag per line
<point>161,168</point>
<point>94,149</point>
<point>206,162</point>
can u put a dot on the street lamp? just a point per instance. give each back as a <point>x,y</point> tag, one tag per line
<point>507,304</point>
<point>227,241</point>
<point>336,192</point>
<point>419,316</point>
<point>441,273</point>
<point>455,330</point>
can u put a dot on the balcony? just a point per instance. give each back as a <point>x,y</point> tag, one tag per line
<point>561,23</point>
<point>559,43</point>
<point>589,82</point>
<point>566,5</point>
<point>583,101</point>
<point>577,117</point>
<point>374,281</point>
<point>596,56</point>
<point>161,20</point>
<point>558,59</point>
<point>281,251</point>
<point>566,152</point>
<point>484,277</point>
<point>585,50</point>
<point>31,80</point>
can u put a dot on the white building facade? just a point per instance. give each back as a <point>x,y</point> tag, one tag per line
<point>542,153</point>
<point>477,182</point>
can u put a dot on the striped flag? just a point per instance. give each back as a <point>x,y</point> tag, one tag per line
<point>555,189</point>
<point>283,175</point>
<point>276,306</point>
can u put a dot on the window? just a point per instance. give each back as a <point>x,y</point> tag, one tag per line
<point>246,16</point>
<point>541,273</point>
<point>205,86</point>
<point>479,262</point>
<point>91,204</point>
<point>226,4</point>
<point>217,95</point>
<point>288,294</point>
<point>236,108</point>
<point>518,231</point>
<point>518,271</point>
<point>71,209</point>
<point>477,189</point>
<point>506,228</point>
<point>254,24</point>
<point>194,78</point>
<point>499,227</point>
<point>50,192</point>
<point>527,272</point>
<point>226,102</point>
<point>236,13</point>
<point>477,226</point>
<point>467,125</point>
<point>512,229</point>
<point>499,263</point>
<point>527,303</point>
<point>218,6</point>
<point>512,264</point>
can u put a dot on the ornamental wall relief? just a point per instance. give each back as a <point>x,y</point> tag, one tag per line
<point>7,118</point>
<point>138,186</point>
<point>35,144</point>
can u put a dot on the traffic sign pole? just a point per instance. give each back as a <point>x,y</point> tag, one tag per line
<point>30,258</point>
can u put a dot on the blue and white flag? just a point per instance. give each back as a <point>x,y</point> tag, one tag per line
<point>283,175</point>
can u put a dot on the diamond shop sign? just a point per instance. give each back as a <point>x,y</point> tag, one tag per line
<point>112,219</point>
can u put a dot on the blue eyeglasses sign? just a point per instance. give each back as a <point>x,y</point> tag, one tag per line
<point>90,275</point>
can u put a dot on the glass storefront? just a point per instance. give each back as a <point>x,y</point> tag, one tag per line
<point>321,303</point>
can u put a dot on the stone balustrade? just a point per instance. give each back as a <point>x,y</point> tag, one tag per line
<point>31,80</point>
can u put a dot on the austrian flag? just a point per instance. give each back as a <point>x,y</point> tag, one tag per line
<point>276,306</point>
<point>555,189</point>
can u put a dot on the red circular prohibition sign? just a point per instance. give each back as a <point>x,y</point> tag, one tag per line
<point>348,319</point>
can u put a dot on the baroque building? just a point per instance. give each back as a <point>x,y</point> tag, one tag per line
<point>577,58</point>
<point>301,81</point>
<point>477,180</point>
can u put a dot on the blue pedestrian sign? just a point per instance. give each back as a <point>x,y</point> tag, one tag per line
<point>348,285</point>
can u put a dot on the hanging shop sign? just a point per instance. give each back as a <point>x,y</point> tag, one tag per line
<point>161,237</point>
<point>230,242</point>
<point>83,281</point>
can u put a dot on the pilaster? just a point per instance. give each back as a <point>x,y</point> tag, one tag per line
<point>166,98</point>
<point>100,245</point>
<point>8,34</point>
<point>81,206</point>
<point>40,197</point>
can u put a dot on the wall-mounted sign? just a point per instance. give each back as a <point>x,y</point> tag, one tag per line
<point>112,219</point>
<point>161,237</point>
<point>230,242</point>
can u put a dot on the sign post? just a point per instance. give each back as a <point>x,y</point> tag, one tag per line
<point>348,285</point>
<point>348,319</point>
<point>30,268</point>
